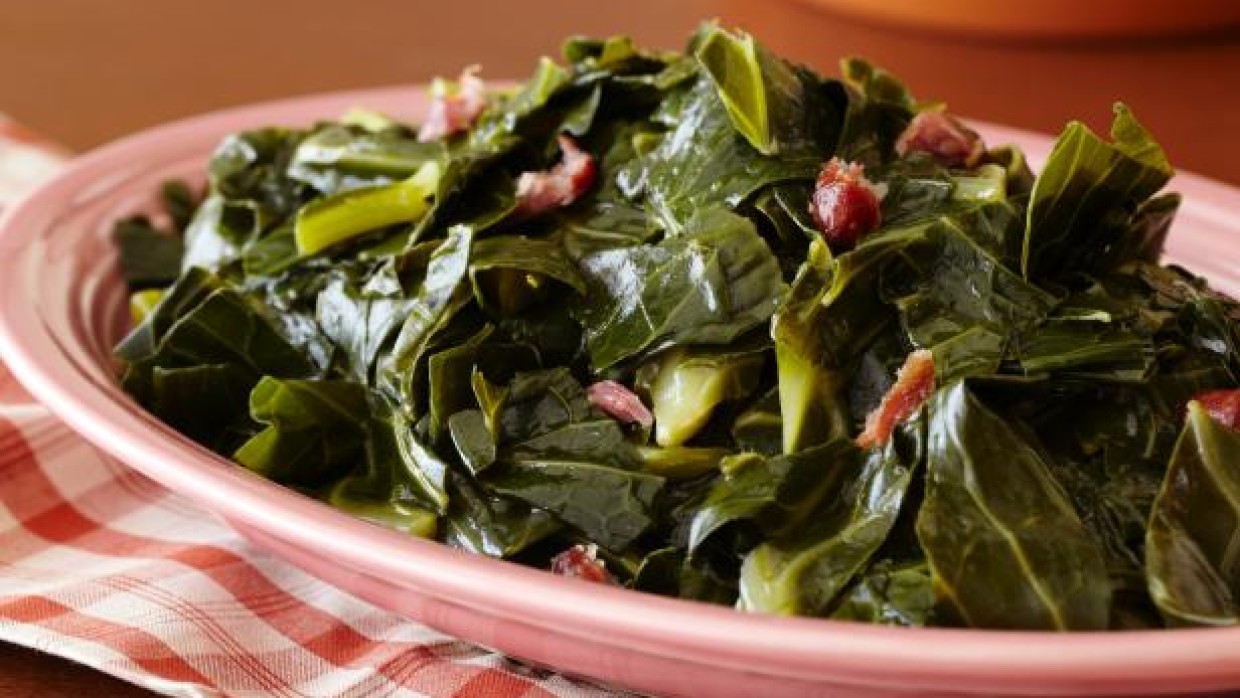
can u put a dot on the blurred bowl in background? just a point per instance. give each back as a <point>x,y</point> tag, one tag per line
<point>1048,19</point>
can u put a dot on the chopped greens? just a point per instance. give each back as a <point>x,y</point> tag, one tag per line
<point>600,318</point>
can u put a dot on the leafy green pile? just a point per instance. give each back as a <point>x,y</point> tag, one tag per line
<point>370,319</point>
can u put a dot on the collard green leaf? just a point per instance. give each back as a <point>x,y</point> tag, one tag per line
<point>334,219</point>
<point>250,166</point>
<point>703,163</point>
<point>226,329</point>
<point>440,296</point>
<point>890,594</point>
<point>512,273</point>
<point>1004,544</point>
<point>179,201</point>
<point>359,324</point>
<point>760,428</point>
<point>879,108</point>
<point>1091,347</point>
<point>775,494</point>
<point>540,402</point>
<point>811,384</point>
<point>708,286</point>
<point>400,472</point>
<point>960,285</point>
<point>315,430</point>
<point>213,237</point>
<point>542,258</point>
<point>202,401</point>
<point>689,384</point>
<point>659,572</point>
<point>474,442</point>
<point>552,331</point>
<point>200,322</point>
<point>557,454</point>
<point>450,375</point>
<point>803,572</point>
<point>1084,200</point>
<point>1192,547</point>
<point>977,351</point>
<point>607,217</point>
<point>765,97</point>
<point>150,258</point>
<point>338,158</point>
<point>489,524</point>
<point>272,254</point>
<point>585,475</point>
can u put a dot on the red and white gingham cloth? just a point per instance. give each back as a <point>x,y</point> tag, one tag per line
<point>104,567</point>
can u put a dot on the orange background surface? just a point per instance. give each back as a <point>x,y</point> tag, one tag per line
<point>85,71</point>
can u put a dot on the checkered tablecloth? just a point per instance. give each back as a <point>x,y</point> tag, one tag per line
<point>104,567</point>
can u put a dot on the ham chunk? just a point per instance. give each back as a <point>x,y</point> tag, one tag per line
<point>844,205</point>
<point>452,112</point>
<point>561,185</point>
<point>619,403</point>
<point>914,385</point>
<point>1223,406</point>
<point>944,137</point>
<point>581,562</point>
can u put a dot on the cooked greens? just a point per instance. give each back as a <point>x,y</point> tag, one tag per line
<point>605,319</point>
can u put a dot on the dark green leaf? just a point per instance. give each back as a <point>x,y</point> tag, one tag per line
<point>703,163</point>
<point>315,430</point>
<point>708,286</point>
<point>337,158</point>
<point>150,258</point>
<point>776,494</point>
<point>760,428</point>
<point>890,594</point>
<point>440,296</point>
<point>473,440</point>
<point>765,97</point>
<point>1084,200</point>
<point>1004,544</point>
<point>803,572</point>
<point>1192,560</point>
<point>493,525</point>
<point>584,473</point>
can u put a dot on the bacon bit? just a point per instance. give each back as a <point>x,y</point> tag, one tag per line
<point>559,186</point>
<point>452,113</point>
<point>581,562</point>
<point>1223,406</point>
<point>944,137</point>
<point>845,205</point>
<point>619,403</point>
<point>914,385</point>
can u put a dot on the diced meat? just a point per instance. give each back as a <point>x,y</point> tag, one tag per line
<point>581,562</point>
<point>944,137</point>
<point>559,186</point>
<point>1223,406</point>
<point>619,403</point>
<point>914,385</point>
<point>844,205</point>
<point>454,111</point>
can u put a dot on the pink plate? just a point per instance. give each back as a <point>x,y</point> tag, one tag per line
<point>62,305</point>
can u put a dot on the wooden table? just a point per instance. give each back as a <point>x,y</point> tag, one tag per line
<point>84,72</point>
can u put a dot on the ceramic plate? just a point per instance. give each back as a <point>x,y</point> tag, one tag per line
<point>62,305</point>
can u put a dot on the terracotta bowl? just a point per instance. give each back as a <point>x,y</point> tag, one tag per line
<point>1048,19</point>
<point>62,305</point>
